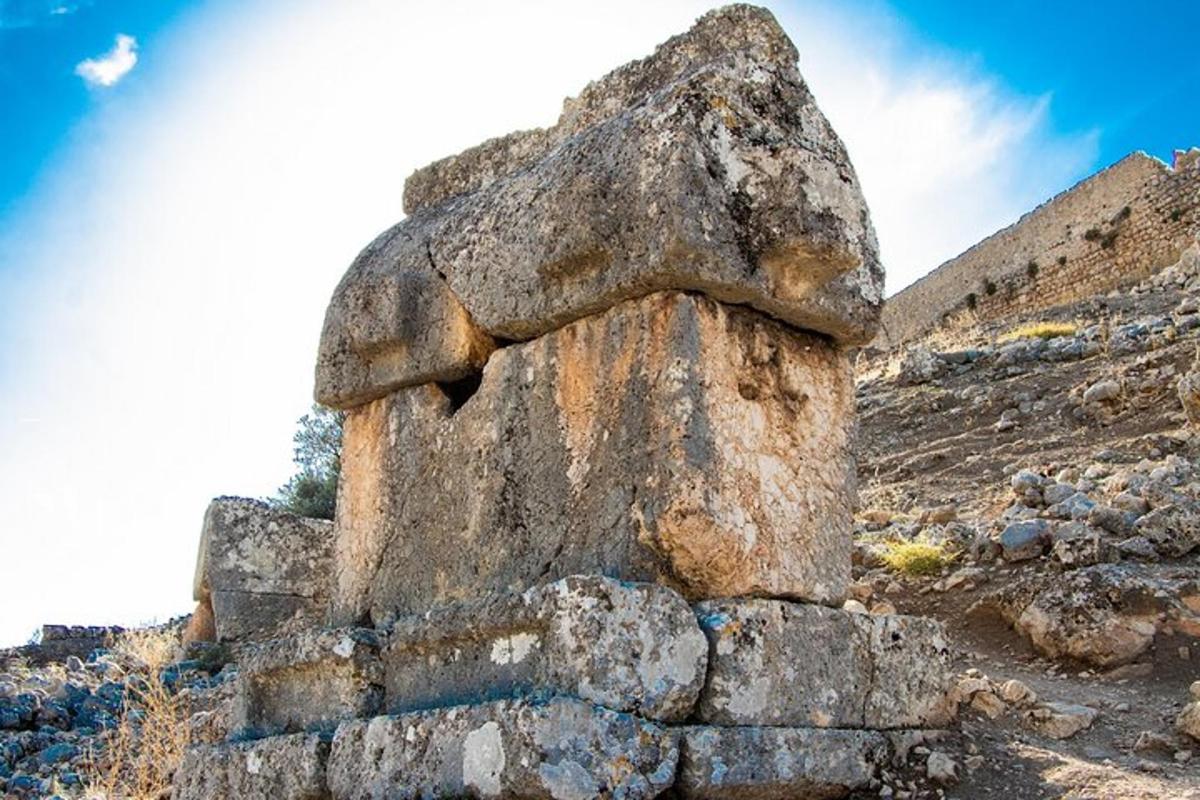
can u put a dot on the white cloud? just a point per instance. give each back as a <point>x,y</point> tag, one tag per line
<point>176,264</point>
<point>112,66</point>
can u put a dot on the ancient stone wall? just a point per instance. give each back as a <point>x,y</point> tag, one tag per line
<point>1110,230</point>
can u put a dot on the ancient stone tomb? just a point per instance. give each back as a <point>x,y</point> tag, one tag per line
<point>593,526</point>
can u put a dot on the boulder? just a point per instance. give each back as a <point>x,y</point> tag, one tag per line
<point>1104,615</point>
<point>1188,721</point>
<point>1173,529</point>
<point>261,571</point>
<point>278,768</point>
<point>505,749</point>
<point>671,439</point>
<point>1021,541</point>
<point>1060,720</point>
<point>706,166</point>
<point>874,671</point>
<point>750,762</point>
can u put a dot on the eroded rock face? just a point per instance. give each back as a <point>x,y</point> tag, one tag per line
<point>279,768</point>
<point>627,647</point>
<point>706,166</point>
<point>307,682</point>
<point>505,749</point>
<point>862,670</point>
<point>262,572</point>
<point>394,322</point>
<point>670,440</point>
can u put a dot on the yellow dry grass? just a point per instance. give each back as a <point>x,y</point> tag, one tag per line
<point>137,759</point>
<point>916,558</point>
<point>1040,330</point>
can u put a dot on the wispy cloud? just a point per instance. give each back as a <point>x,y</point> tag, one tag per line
<point>28,13</point>
<point>112,66</point>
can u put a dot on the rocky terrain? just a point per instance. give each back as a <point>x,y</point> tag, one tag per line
<point>1051,482</point>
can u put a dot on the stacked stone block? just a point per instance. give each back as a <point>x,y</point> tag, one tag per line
<point>593,525</point>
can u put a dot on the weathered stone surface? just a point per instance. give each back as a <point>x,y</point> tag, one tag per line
<point>1105,615</point>
<point>263,572</point>
<point>1060,720</point>
<point>751,762</point>
<point>706,167</point>
<point>875,671</point>
<point>279,768</point>
<point>672,440</point>
<point>506,749</point>
<point>308,682</point>
<point>394,322</point>
<point>628,647</point>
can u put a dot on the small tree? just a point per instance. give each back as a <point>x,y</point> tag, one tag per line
<point>312,491</point>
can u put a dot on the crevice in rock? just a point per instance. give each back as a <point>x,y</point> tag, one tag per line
<point>460,391</point>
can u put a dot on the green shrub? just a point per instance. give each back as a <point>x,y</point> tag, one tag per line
<point>1062,261</point>
<point>1031,269</point>
<point>972,301</point>
<point>1092,234</point>
<point>312,491</point>
<point>989,287</point>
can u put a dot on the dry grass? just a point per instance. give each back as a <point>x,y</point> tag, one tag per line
<point>1040,330</point>
<point>137,759</point>
<point>916,558</point>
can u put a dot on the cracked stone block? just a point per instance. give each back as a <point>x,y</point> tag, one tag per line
<point>506,749</point>
<point>394,322</point>
<point>307,682</point>
<point>758,762</point>
<point>705,167</point>
<point>672,439</point>
<point>788,664</point>
<point>628,647</point>
<point>262,572</point>
<point>278,768</point>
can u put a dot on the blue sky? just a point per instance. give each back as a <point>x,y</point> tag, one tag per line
<point>182,184</point>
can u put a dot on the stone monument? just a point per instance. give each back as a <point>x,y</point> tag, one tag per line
<point>593,525</point>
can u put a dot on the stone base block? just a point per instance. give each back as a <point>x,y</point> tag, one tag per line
<point>279,768</point>
<point>628,647</point>
<point>262,572</point>
<point>787,664</point>
<point>506,749</point>
<point>749,763</point>
<point>308,682</point>
<point>671,439</point>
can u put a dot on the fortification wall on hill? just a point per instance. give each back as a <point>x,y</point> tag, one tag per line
<point>1109,230</point>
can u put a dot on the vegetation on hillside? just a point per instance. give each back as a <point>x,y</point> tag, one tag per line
<point>312,491</point>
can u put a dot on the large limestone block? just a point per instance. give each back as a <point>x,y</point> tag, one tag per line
<point>789,664</point>
<point>278,768</point>
<point>310,681</point>
<point>706,166</point>
<point>394,322</point>
<point>752,762</point>
<point>672,440</point>
<point>506,749</point>
<point>263,572</point>
<point>628,647</point>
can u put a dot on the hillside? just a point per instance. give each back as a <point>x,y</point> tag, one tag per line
<point>1061,476</point>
